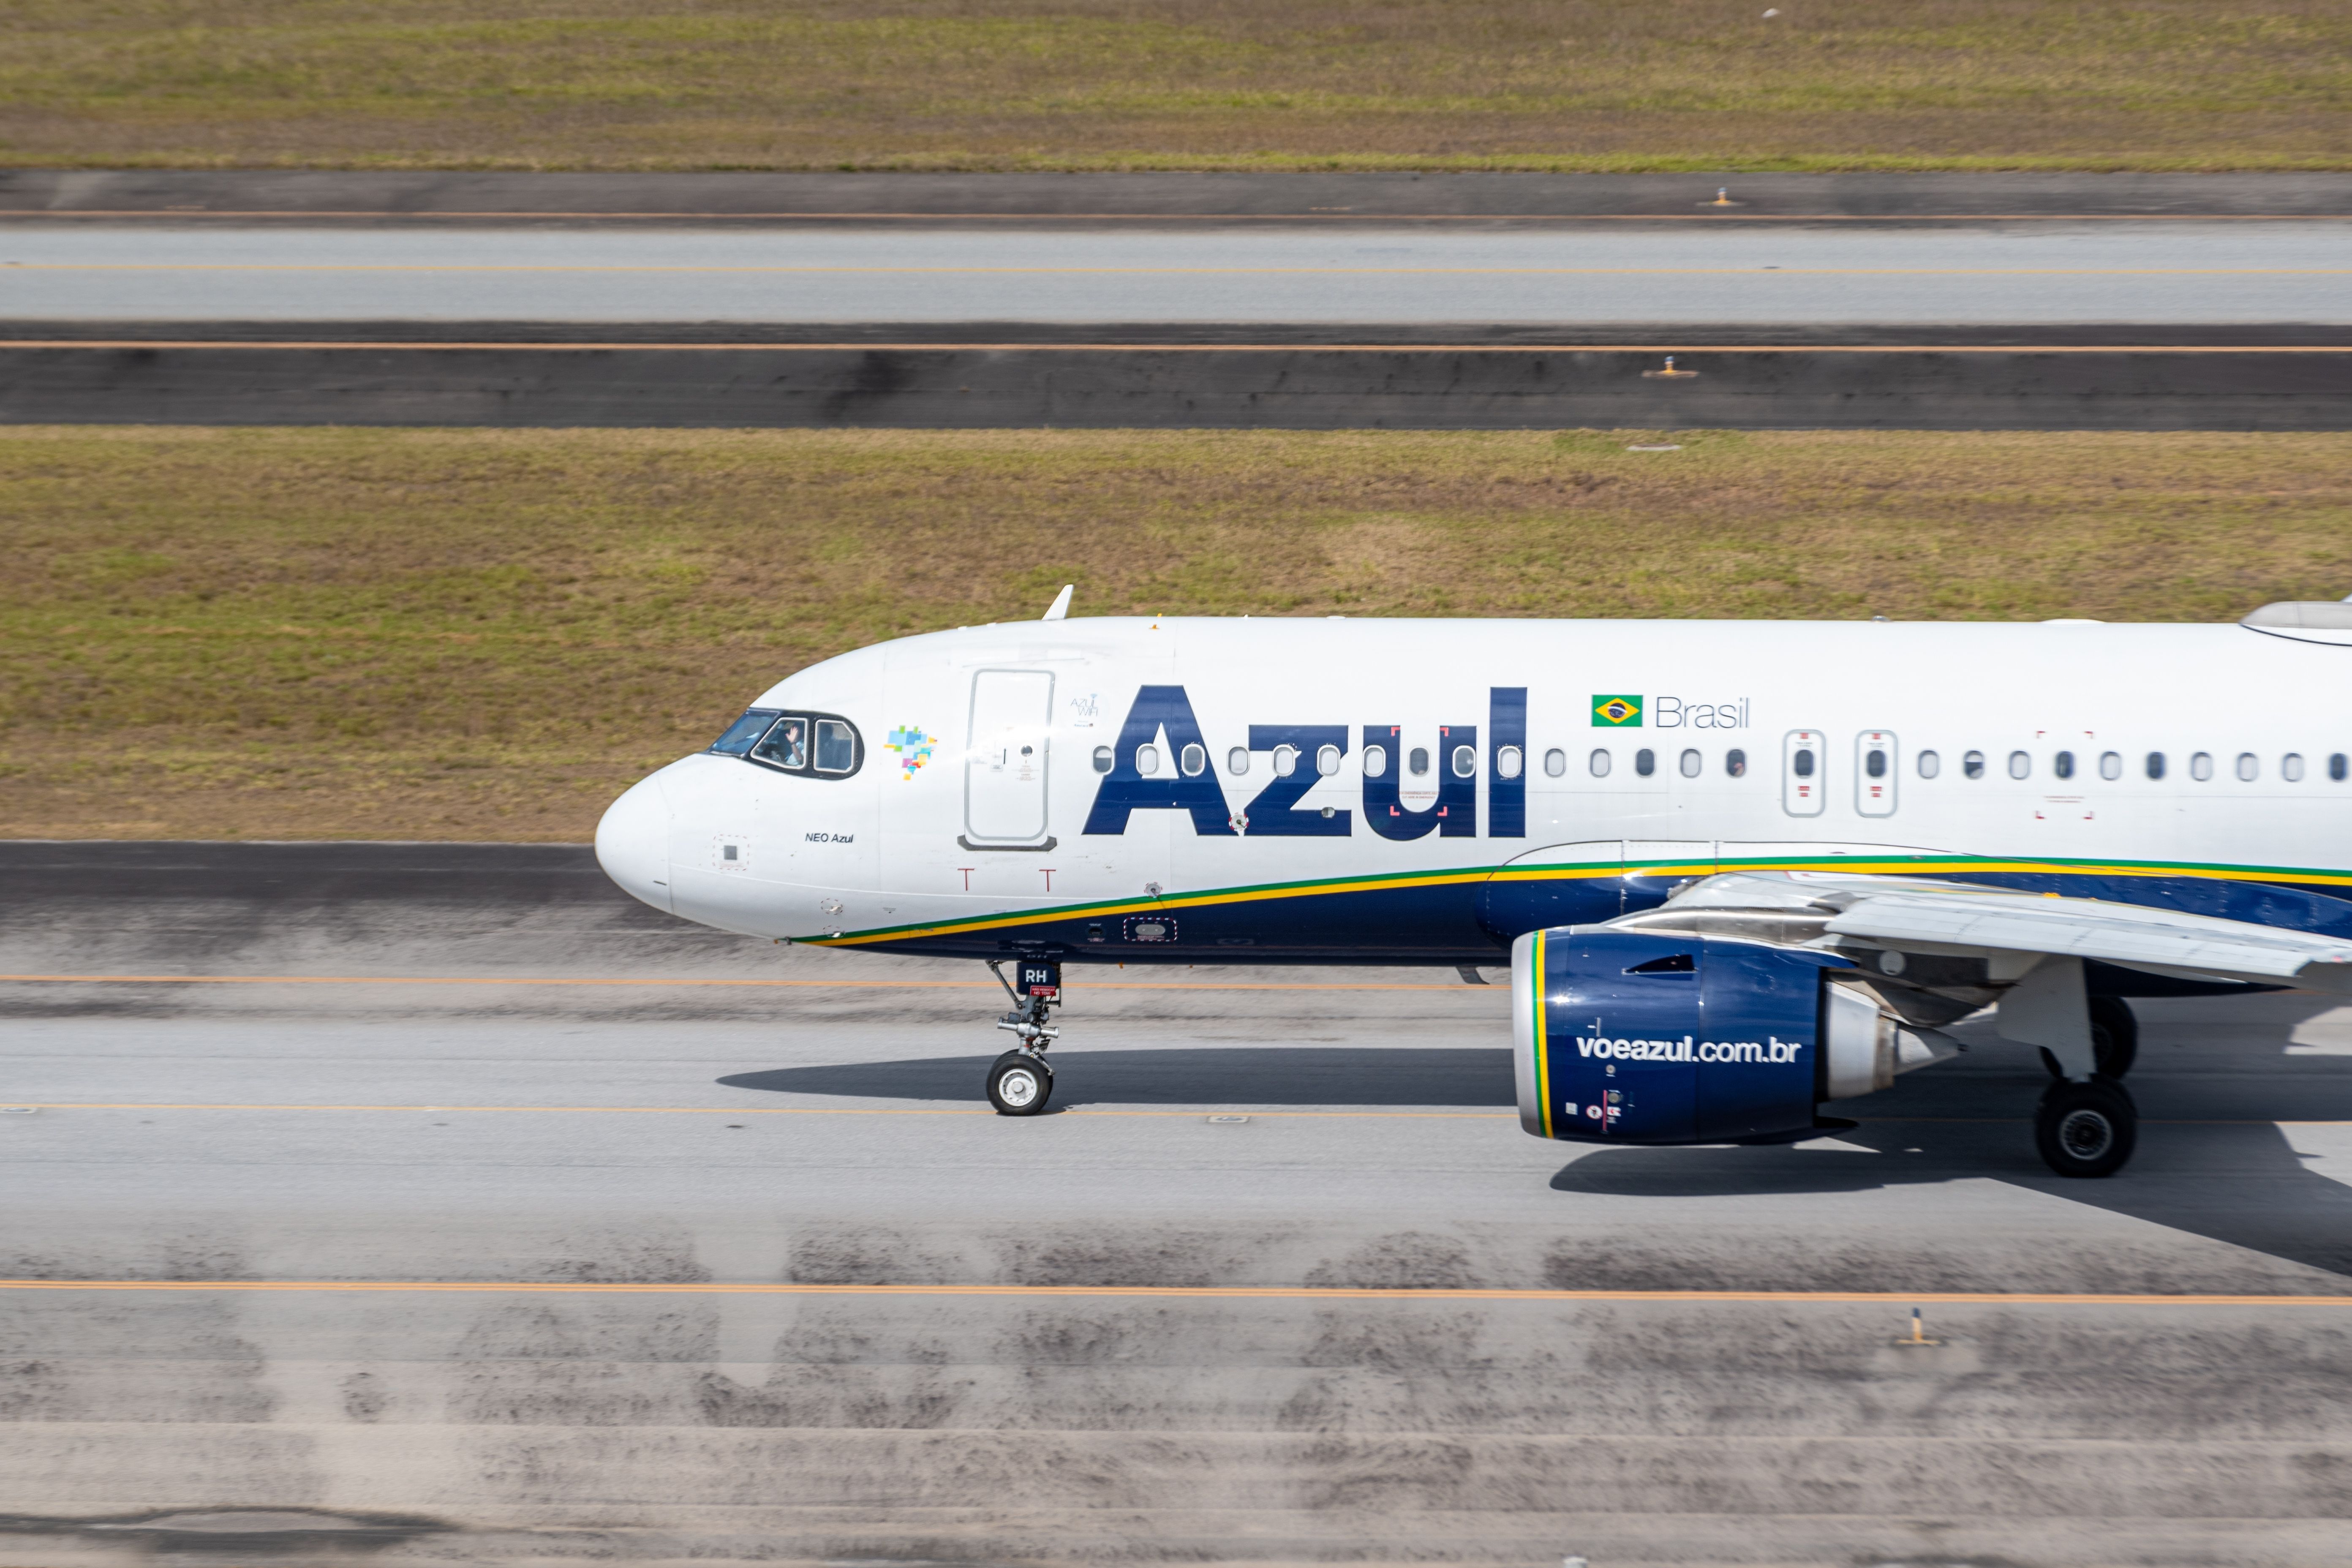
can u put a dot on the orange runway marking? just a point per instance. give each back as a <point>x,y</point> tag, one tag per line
<point>1233,1292</point>
<point>1184,1113</point>
<point>1188,1114</point>
<point>1378,219</point>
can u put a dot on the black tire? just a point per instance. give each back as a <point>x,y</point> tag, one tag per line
<point>2115,1035</point>
<point>1019,1084</point>
<point>2086,1128</point>
<point>2114,1040</point>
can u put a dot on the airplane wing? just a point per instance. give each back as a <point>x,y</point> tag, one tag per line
<point>1920,915</point>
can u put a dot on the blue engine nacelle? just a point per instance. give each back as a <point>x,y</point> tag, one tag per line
<point>1634,1037</point>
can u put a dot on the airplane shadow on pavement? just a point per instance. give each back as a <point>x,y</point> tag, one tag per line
<point>1204,1075</point>
<point>2212,1160</point>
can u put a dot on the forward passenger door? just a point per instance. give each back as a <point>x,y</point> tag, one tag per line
<point>1006,756</point>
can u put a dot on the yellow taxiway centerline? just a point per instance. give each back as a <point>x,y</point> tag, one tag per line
<point>809,984</point>
<point>536,269</point>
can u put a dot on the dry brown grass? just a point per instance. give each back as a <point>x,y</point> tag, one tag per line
<point>470,634</point>
<point>999,84</point>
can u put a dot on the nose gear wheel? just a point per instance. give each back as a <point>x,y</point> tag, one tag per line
<point>1020,1084</point>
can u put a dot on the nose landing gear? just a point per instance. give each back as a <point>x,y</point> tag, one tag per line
<point>1020,1081</point>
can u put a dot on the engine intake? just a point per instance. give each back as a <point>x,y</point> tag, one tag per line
<point>1645,1038</point>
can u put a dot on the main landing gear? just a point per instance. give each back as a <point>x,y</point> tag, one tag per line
<point>2114,1038</point>
<point>2087,1127</point>
<point>1020,1081</point>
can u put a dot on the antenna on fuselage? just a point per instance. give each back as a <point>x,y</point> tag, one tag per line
<point>1061,610</point>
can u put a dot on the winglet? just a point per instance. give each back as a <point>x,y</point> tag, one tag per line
<point>1061,610</point>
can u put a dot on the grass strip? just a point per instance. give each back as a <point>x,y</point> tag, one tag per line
<point>487,634</point>
<point>1178,84</point>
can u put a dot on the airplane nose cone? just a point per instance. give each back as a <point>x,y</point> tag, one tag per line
<point>633,843</point>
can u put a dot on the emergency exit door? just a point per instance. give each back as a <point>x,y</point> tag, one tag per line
<point>1804,772</point>
<point>1874,772</point>
<point>1005,756</point>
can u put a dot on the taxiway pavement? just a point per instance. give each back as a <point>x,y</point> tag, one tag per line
<point>2142,273</point>
<point>668,1244</point>
<point>1955,301</point>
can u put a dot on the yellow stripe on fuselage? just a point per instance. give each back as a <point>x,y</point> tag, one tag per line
<point>1853,865</point>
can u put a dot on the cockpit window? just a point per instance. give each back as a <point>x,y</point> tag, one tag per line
<point>823,745</point>
<point>786,745</point>
<point>836,746</point>
<point>743,731</point>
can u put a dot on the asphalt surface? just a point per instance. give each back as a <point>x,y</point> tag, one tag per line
<point>437,197</point>
<point>968,378</point>
<point>391,1094</point>
<point>2149,273</point>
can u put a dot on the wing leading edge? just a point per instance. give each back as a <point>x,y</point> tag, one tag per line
<point>1955,919</point>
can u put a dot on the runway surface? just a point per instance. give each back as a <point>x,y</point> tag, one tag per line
<point>964,1338</point>
<point>2155,274</point>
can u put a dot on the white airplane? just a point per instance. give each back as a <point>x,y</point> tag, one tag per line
<point>1740,869</point>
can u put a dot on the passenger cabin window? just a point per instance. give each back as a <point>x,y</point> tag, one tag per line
<point>1466,762</point>
<point>1376,762</point>
<point>1600,762</point>
<point>2062,764</point>
<point>1690,763</point>
<point>2338,765</point>
<point>2291,767</point>
<point>2020,765</point>
<point>1193,761</point>
<point>2111,764</point>
<point>1286,760</point>
<point>2200,766</point>
<point>823,744</point>
<point>1973,764</point>
<point>1509,761</point>
<point>2156,764</point>
<point>1930,765</point>
<point>1646,762</point>
<point>1735,763</point>
<point>1105,759</point>
<point>2250,767</point>
<point>1326,761</point>
<point>1416,762</point>
<point>1556,762</point>
<point>1237,761</point>
<point>1147,760</point>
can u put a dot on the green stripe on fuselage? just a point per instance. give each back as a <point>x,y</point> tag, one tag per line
<point>1855,864</point>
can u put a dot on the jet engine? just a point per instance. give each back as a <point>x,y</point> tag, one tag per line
<point>1651,1037</point>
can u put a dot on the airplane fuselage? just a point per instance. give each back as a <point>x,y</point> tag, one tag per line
<point>1402,791</point>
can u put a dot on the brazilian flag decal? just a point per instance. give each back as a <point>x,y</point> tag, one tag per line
<point>1617,712</point>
